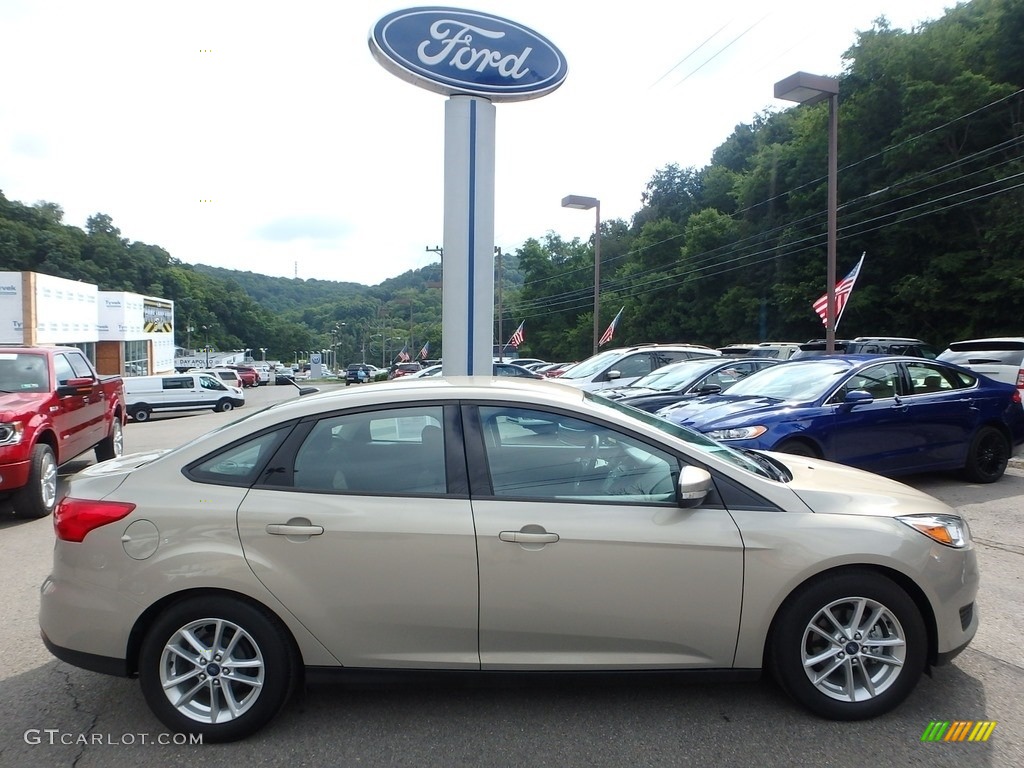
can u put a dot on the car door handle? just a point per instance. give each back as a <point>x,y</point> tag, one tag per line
<point>284,529</point>
<point>521,537</point>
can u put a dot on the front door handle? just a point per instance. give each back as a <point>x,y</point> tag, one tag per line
<point>287,529</point>
<point>523,537</point>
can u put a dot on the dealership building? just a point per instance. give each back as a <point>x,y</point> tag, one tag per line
<point>121,332</point>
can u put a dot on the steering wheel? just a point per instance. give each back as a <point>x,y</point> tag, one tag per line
<point>588,459</point>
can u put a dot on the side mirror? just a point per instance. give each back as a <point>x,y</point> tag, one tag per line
<point>613,375</point>
<point>709,389</point>
<point>75,387</point>
<point>694,484</point>
<point>856,397</point>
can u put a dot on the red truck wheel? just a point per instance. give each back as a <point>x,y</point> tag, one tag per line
<point>112,445</point>
<point>39,495</point>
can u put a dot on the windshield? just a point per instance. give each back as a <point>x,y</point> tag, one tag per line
<point>592,365</point>
<point>793,381</point>
<point>673,376</point>
<point>696,440</point>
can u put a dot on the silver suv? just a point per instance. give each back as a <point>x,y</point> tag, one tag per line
<point>1001,359</point>
<point>621,367</point>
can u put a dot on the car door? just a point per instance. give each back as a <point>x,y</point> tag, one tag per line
<point>586,560</point>
<point>359,531</point>
<point>880,435</point>
<point>80,416</point>
<point>944,413</point>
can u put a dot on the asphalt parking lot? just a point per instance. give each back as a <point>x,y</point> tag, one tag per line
<point>57,715</point>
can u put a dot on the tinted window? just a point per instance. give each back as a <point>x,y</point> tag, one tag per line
<point>178,382</point>
<point>536,454</point>
<point>208,382</point>
<point>639,364</point>
<point>62,369</point>
<point>80,365</point>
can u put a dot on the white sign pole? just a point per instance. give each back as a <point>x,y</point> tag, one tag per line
<point>468,257</point>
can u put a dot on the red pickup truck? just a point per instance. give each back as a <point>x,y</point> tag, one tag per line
<point>53,407</point>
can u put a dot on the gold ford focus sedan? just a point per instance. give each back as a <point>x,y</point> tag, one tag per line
<point>495,525</point>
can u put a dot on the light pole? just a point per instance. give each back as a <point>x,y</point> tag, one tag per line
<point>812,89</point>
<point>585,204</point>
<point>206,331</point>
<point>263,354</point>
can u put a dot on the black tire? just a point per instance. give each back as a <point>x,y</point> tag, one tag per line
<point>987,457</point>
<point>38,496</point>
<point>112,445</point>
<point>798,448</point>
<point>259,645</point>
<point>224,406</point>
<point>793,642</point>
<point>140,414</point>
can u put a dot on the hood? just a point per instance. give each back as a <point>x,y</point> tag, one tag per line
<point>12,403</point>
<point>656,400</point>
<point>816,483</point>
<point>705,413</point>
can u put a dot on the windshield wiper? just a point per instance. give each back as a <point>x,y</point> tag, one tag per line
<point>776,471</point>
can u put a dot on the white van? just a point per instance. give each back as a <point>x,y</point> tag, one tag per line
<point>178,392</point>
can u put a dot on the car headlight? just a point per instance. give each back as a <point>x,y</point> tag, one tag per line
<point>737,433</point>
<point>945,529</point>
<point>11,433</point>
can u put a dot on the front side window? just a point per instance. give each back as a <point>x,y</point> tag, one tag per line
<point>539,454</point>
<point>208,382</point>
<point>881,381</point>
<point>392,451</point>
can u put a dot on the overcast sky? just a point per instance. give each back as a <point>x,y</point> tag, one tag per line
<point>263,136</point>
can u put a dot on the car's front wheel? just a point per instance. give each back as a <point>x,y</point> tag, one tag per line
<point>848,646</point>
<point>987,457</point>
<point>225,405</point>
<point>39,495</point>
<point>217,666</point>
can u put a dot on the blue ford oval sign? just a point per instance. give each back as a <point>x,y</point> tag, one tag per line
<point>455,51</point>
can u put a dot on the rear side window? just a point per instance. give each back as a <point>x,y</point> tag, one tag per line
<point>178,382</point>
<point>238,464</point>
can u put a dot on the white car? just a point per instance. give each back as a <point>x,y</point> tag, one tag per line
<point>999,358</point>
<point>621,367</point>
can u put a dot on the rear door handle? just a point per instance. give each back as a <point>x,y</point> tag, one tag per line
<point>520,537</point>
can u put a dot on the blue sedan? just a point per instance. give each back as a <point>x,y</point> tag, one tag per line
<point>890,415</point>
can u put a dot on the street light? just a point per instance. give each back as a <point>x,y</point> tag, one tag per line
<point>812,89</point>
<point>585,204</point>
<point>206,331</point>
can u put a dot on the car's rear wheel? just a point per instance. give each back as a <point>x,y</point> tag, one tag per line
<point>39,495</point>
<point>217,666</point>
<point>848,646</point>
<point>112,445</point>
<point>988,456</point>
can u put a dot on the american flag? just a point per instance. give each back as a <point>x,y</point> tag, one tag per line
<point>519,336</point>
<point>843,290</point>
<point>610,331</point>
<point>425,351</point>
<point>403,356</point>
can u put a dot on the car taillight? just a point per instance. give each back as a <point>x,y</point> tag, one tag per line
<point>1020,379</point>
<point>74,518</point>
